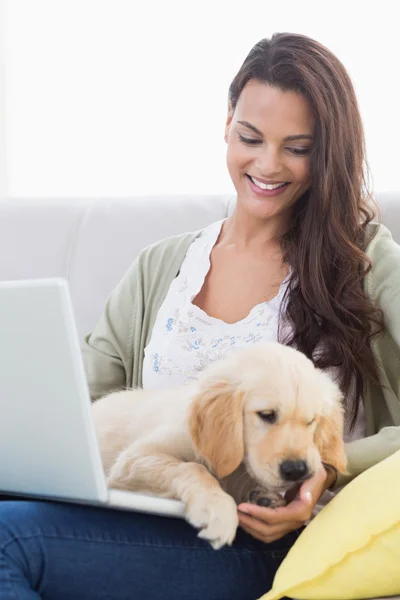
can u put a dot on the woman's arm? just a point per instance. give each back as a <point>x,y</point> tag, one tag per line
<point>367,452</point>
<point>382,285</point>
<point>113,352</point>
<point>107,351</point>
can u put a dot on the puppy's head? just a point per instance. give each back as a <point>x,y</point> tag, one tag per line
<point>269,407</point>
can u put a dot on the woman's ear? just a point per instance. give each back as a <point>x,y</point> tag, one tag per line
<point>216,427</point>
<point>329,438</point>
<point>228,122</point>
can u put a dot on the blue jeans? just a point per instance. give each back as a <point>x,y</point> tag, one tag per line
<point>58,551</point>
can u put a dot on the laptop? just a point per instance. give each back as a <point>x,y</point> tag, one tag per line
<point>48,443</point>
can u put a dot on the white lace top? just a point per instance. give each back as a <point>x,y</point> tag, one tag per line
<point>184,338</point>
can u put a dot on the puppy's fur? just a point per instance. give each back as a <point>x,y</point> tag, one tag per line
<point>233,435</point>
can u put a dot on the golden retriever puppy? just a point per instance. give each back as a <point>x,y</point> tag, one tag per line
<point>253,425</point>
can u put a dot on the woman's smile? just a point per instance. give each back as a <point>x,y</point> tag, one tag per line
<point>268,190</point>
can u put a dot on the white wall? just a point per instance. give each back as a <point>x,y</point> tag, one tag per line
<point>123,97</point>
<point>3,170</point>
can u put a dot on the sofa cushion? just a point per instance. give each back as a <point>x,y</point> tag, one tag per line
<point>352,547</point>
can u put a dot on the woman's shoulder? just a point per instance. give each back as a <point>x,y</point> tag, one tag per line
<point>176,246</point>
<point>380,242</point>
<point>166,248</point>
<point>384,254</point>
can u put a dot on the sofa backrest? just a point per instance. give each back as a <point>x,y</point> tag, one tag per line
<point>92,242</point>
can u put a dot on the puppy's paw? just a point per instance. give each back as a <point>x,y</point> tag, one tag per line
<point>266,498</point>
<point>122,475</point>
<point>215,514</point>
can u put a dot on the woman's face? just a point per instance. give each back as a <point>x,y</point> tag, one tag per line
<point>269,139</point>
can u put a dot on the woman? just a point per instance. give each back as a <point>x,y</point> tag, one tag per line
<point>292,263</point>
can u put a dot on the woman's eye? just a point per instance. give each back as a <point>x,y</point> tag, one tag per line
<point>249,141</point>
<point>310,422</point>
<point>268,417</point>
<point>300,151</point>
<point>254,142</point>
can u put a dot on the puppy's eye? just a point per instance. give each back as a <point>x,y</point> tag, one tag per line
<point>268,417</point>
<point>310,422</point>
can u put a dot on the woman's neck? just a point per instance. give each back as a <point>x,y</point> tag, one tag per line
<point>249,234</point>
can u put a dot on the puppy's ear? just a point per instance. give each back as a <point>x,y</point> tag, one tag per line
<point>329,436</point>
<point>216,427</point>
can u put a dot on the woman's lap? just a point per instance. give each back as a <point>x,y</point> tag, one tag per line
<point>67,551</point>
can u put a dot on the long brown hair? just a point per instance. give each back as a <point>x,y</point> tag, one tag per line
<point>326,241</point>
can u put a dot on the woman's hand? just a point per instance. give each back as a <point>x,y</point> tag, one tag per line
<point>270,524</point>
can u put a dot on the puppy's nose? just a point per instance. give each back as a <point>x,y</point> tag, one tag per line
<point>293,470</point>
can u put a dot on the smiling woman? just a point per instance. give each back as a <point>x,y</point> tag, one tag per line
<point>304,163</point>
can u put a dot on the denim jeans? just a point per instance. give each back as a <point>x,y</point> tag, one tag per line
<point>59,551</point>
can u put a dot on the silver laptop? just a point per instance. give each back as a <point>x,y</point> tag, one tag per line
<point>48,445</point>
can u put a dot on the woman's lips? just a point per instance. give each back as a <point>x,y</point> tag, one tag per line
<point>265,193</point>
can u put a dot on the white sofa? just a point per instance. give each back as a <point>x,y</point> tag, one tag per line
<point>93,241</point>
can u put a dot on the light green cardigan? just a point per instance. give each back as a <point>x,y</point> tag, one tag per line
<point>113,353</point>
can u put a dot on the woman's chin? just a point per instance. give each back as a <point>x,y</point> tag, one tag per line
<point>266,208</point>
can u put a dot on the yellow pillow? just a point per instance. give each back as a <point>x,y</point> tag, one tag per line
<point>351,549</point>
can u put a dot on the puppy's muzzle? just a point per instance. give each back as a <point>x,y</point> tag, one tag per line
<point>294,470</point>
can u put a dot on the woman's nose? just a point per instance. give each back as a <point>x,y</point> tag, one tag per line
<point>269,163</point>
